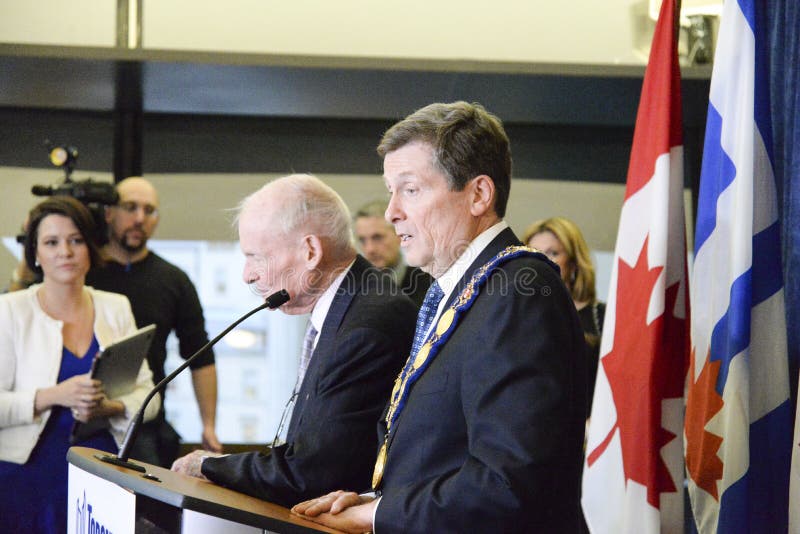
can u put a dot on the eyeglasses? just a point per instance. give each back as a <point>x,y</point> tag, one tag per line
<point>287,410</point>
<point>132,207</point>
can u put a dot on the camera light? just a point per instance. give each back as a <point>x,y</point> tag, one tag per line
<point>63,155</point>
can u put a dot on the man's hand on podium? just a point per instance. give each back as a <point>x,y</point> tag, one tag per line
<point>342,510</point>
<point>192,463</point>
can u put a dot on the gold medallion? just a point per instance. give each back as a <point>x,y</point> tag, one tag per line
<point>422,355</point>
<point>445,321</point>
<point>377,474</point>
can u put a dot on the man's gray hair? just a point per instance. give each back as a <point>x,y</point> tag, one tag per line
<point>312,207</point>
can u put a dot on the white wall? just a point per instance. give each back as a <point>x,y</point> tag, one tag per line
<point>577,31</point>
<point>53,22</point>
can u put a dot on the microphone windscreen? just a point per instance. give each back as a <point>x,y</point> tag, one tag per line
<point>277,299</point>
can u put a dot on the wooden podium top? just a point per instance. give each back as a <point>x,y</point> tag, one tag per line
<point>194,494</point>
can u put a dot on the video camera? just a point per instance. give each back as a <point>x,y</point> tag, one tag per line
<point>87,191</point>
<point>94,195</point>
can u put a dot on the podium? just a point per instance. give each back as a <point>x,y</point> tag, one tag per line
<point>107,498</point>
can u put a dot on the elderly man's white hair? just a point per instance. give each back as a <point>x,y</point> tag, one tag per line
<point>311,205</point>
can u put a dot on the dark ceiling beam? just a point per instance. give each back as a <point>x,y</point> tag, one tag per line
<point>128,112</point>
<point>128,121</point>
<point>345,88</point>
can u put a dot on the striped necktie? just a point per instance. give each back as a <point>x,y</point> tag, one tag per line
<point>305,356</point>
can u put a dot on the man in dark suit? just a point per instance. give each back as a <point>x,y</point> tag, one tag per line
<point>295,234</point>
<point>484,432</point>
<point>381,246</point>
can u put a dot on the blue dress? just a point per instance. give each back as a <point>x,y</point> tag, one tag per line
<point>33,495</point>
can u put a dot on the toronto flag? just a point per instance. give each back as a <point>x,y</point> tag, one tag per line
<point>738,427</point>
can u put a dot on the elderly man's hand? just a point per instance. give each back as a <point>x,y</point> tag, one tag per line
<point>342,510</point>
<point>192,462</point>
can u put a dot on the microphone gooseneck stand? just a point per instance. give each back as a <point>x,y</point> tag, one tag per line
<point>121,459</point>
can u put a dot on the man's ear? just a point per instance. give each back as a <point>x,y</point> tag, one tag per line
<point>107,213</point>
<point>482,195</point>
<point>312,251</point>
<point>155,224</point>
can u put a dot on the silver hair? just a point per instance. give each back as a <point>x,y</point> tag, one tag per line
<point>315,207</point>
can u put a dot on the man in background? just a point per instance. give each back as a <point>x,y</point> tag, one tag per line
<point>381,246</point>
<point>163,294</point>
<point>295,235</point>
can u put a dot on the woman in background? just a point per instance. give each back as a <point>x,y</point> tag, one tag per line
<point>49,335</point>
<point>561,240</point>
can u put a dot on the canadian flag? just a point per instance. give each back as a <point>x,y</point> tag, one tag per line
<point>633,473</point>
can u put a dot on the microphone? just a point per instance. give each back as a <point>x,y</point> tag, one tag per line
<point>121,459</point>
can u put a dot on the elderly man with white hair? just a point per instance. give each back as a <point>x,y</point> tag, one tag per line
<point>295,234</point>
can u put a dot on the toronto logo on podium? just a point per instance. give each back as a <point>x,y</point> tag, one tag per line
<point>85,522</point>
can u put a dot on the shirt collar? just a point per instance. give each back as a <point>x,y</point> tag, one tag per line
<point>325,300</point>
<point>451,277</point>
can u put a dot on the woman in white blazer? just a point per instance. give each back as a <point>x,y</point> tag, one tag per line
<point>49,335</point>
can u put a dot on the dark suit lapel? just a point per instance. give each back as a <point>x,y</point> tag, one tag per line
<point>348,289</point>
<point>350,286</point>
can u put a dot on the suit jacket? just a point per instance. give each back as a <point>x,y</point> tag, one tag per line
<point>415,284</point>
<point>363,343</point>
<point>491,436</point>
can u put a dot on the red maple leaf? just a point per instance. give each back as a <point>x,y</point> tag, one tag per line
<point>646,366</point>
<point>702,403</point>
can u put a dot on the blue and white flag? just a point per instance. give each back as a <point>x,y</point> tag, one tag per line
<point>738,424</point>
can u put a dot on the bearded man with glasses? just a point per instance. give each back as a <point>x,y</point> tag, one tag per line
<point>163,294</point>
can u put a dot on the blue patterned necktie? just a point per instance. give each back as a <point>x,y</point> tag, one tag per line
<point>426,314</point>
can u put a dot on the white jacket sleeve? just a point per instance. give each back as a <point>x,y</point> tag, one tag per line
<point>16,407</point>
<point>17,392</point>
